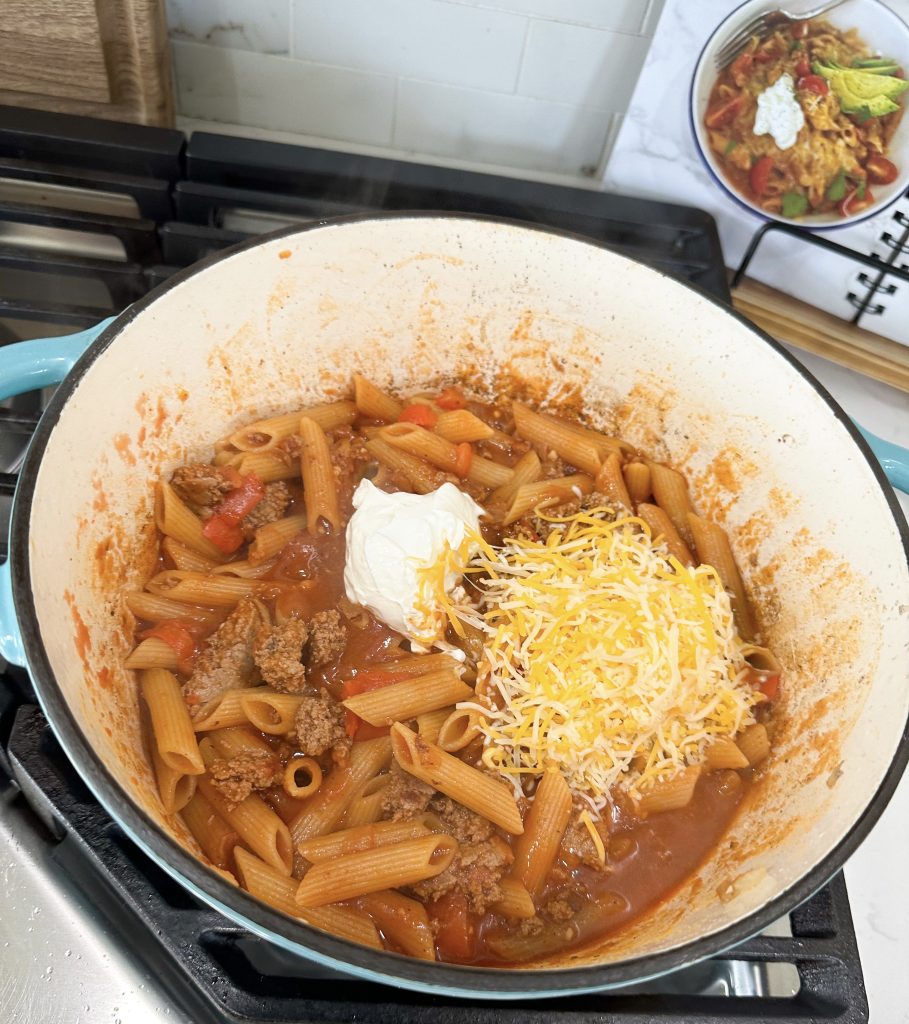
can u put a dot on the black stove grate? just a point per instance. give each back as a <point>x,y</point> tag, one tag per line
<point>67,262</point>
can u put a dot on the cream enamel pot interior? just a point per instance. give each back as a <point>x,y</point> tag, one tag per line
<point>411,300</point>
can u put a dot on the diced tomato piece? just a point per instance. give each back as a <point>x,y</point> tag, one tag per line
<point>451,398</point>
<point>241,500</point>
<point>724,113</point>
<point>365,731</point>
<point>851,204</point>
<point>364,682</point>
<point>762,56</point>
<point>813,83</point>
<point>224,533</point>
<point>803,68</point>
<point>422,415</point>
<point>881,170</point>
<point>767,682</point>
<point>741,66</point>
<point>463,459</point>
<point>760,175</point>
<point>799,29</point>
<point>456,935</point>
<point>352,723</point>
<point>176,633</point>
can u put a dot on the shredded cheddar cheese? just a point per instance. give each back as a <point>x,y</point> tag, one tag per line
<point>604,655</point>
<point>585,819</point>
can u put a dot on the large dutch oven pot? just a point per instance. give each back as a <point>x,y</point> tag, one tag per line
<point>408,299</point>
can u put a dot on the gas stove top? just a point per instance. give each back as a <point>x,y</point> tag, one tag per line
<point>92,216</point>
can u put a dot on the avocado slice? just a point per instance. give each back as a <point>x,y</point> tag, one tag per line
<point>864,84</point>
<point>877,65</point>
<point>850,103</point>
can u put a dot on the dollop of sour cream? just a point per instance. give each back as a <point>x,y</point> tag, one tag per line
<point>406,553</point>
<point>779,113</point>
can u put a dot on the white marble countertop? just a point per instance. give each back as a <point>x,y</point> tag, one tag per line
<point>654,157</point>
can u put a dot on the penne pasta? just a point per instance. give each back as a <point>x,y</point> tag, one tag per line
<point>637,480</point>
<point>724,753</point>
<point>196,588</point>
<point>527,470</point>
<point>442,454</point>
<point>176,520</point>
<point>611,482</point>
<point>224,711</point>
<point>320,490</point>
<point>555,435</point>
<point>458,730</point>
<point>670,794</point>
<point>238,741</point>
<point>460,425</point>
<point>265,883</point>
<point>367,837</point>
<point>535,851</point>
<point>422,477</point>
<point>670,492</point>
<point>421,664</point>
<point>404,922</point>
<point>662,527</point>
<point>216,838</point>
<point>373,403</point>
<point>385,867</point>
<point>270,711</point>
<point>476,790</point>
<point>368,803</point>
<point>285,806</point>
<point>546,493</point>
<point>185,558</point>
<point>154,608</point>
<point>302,777</point>
<point>516,903</point>
<point>754,743</point>
<point>713,548</point>
<point>271,538</point>
<point>430,724</point>
<point>172,727</point>
<point>269,467</point>
<point>175,788</point>
<point>405,700</point>
<point>152,653</point>
<point>264,435</point>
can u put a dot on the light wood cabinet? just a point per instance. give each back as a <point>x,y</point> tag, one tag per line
<point>101,58</point>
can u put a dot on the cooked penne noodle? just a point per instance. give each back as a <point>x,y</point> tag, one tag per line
<point>257,824</point>
<point>461,425</point>
<point>269,467</point>
<point>373,403</point>
<point>487,473</point>
<point>555,435</point>
<point>175,788</point>
<point>536,850</point>
<point>385,867</point>
<point>545,493</point>
<point>762,659</point>
<point>611,482</point>
<point>224,711</point>
<point>367,837</point>
<point>527,470</point>
<point>302,777</point>
<point>713,548</point>
<point>196,588</point>
<point>414,696</point>
<point>430,724</point>
<point>515,947</point>
<point>323,811</point>
<point>423,478</point>
<point>174,519</point>
<point>265,883</point>
<point>237,741</point>
<point>285,806</point>
<point>185,558</point>
<point>404,922</point>
<point>661,526</point>
<point>476,790</point>
<point>244,569</point>
<point>458,730</point>
<point>670,492</point>
<point>367,804</point>
<point>216,838</point>
<point>271,538</point>
<point>266,434</point>
<point>516,902</point>
<point>670,794</point>
<point>421,664</point>
<point>637,480</point>
<point>443,454</point>
<point>754,743</point>
<point>154,608</point>
<point>172,727</point>
<point>724,753</point>
<point>320,489</point>
<point>152,653</point>
<point>270,711</point>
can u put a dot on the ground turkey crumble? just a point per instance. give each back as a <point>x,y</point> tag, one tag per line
<point>405,796</point>
<point>269,510</point>
<point>278,653</point>
<point>236,778</point>
<point>320,727</point>
<point>200,484</point>
<point>227,661</point>
<point>327,637</point>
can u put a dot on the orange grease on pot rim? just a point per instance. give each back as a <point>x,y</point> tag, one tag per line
<point>82,637</point>
<point>122,443</point>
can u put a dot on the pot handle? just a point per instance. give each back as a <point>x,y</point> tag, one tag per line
<point>893,458</point>
<point>25,366</point>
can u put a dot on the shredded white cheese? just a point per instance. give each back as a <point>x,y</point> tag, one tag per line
<point>605,656</point>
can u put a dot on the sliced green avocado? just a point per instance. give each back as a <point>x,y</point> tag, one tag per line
<point>864,84</point>
<point>877,65</point>
<point>875,106</point>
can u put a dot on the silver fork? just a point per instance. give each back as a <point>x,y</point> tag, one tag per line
<point>761,26</point>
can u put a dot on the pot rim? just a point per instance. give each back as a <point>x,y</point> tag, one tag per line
<point>311,943</point>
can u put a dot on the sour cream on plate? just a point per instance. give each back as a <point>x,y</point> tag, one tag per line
<point>405,553</point>
<point>779,113</point>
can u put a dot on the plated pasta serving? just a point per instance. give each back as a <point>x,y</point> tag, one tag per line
<point>448,676</point>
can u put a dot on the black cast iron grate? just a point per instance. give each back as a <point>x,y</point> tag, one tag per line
<point>185,200</point>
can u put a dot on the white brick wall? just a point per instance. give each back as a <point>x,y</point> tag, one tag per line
<point>525,86</point>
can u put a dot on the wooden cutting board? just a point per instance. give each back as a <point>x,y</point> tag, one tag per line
<point>100,58</point>
<point>806,327</point>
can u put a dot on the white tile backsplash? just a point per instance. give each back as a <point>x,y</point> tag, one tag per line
<point>515,131</point>
<point>236,24</point>
<point>426,39</point>
<point>285,95</point>
<point>588,67</point>
<point>533,86</point>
